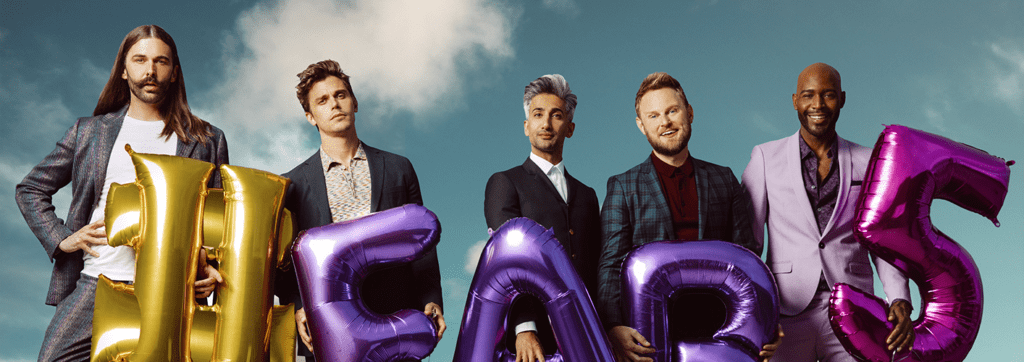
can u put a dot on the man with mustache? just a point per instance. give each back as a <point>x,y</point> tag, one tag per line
<point>669,196</point>
<point>805,188</point>
<point>142,105</point>
<point>542,189</point>
<point>346,179</point>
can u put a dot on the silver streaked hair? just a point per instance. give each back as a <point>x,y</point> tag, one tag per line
<point>552,84</point>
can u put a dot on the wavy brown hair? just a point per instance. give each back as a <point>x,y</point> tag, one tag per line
<point>319,71</point>
<point>655,81</point>
<point>174,107</point>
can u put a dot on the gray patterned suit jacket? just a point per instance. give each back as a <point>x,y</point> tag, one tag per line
<point>635,213</point>
<point>81,159</point>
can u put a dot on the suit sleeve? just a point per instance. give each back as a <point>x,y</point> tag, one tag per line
<point>894,283</point>
<point>34,194</point>
<point>501,201</point>
<point>286,285</point>
<point>220,157</point>
<point>742,232</point>
<point>425,270</point>
<point>757,191</point>
<point>616,242</point>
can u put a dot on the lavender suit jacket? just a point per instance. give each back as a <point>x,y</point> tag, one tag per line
<point>81,159</point>
<point>797,252</point>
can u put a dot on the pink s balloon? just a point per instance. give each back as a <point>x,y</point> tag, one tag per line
<point>331,263</point>
<point>908,169</point>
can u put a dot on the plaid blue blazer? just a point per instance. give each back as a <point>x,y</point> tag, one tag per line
<point>81,159</point>
<point>635,213</point>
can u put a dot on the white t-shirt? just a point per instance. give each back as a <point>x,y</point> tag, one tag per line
<point>118,263</point>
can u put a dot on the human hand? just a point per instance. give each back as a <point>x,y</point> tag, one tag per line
<point>300,323</point>
<point>768,350</point>
<point>629,344</point>
<point>528,347</point>
<point>85,238</point>
<point>902,335</point>
<point>433,311</point>
<point>207,277</point>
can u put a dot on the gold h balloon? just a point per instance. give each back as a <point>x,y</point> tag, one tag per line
<point>167,215</point>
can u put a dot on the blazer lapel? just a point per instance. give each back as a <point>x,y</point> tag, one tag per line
<point>376,164</point>
<point>111,126</point>
<point>701,179</point>
<point>648,177</point>
<point>795,179</point>
<point>845,170</point>
<point>539,177</point>
<point>313,170</point>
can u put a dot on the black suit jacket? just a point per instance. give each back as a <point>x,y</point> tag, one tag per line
<point>81,159</point>
<point>393,183</point>
<point>525,191</point>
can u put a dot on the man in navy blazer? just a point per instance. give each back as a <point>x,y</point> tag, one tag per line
<point>144,105</point>
<point>805,188</point>
<point>669,196</point>
<point>542,189</point>
<point>346,179</point>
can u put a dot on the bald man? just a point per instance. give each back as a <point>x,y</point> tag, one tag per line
<point>805,187</point>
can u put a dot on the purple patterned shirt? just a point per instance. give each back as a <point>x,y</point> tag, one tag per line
<point>822,194</point>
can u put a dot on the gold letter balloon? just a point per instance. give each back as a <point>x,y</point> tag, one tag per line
<point>167,215</point>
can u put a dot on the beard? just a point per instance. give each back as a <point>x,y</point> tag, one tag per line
<point>137,88</point>
<point>820,131</point>
<point>549,146</point>
<point>667,148</point>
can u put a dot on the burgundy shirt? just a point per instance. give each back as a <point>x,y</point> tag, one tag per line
<point>680,189</point>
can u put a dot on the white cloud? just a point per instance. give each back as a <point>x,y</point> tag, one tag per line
<point>565,7</point>
<point>1008,75</point>
<point>408,56</point>
<point>473,255</point>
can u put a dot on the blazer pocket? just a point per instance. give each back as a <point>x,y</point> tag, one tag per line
<point>782,268</point>
<point>859,268</point>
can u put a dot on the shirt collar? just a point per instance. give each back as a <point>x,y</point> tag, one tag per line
<point>805,150</point>
<point>326,161</point>
<point>666,170</point>
<point>546,166</point>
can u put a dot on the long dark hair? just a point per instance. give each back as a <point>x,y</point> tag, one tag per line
<point>179,117</point>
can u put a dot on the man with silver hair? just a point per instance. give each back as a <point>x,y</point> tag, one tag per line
<point>541,189</point>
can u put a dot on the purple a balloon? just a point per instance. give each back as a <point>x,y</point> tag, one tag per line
<point>908,169</point>
<point>654,271</point>
<point>523,257</point>
<point>331,262</point>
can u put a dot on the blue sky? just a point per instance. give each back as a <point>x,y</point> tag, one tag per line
<point>441,82</point>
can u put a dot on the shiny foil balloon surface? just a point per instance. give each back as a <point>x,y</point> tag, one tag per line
<point>654,271</point>
<point>331,263</point>
<point>908,169</point>
<point>523,257</point>
<point>117,326</point>
<point>147,216</point>
<point>173,196</point>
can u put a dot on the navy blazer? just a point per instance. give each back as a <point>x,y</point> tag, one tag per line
<point>525,191</point>
<point>81,159</point>
<point>635,213</point>
<point>393,183</point>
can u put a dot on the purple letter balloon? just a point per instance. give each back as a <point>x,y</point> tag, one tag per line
<point>908,169</point>
<point>331,262</point>
<point>522,257</point>
<point>654,271</point>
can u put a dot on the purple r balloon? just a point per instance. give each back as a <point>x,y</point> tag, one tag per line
<point>908,169</point>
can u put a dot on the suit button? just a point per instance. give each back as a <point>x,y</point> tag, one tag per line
<point>570,232</point>
<point>821,245</point>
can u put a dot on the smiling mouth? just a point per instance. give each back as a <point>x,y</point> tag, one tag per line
<point>818,117</point>
<point>668,133</point>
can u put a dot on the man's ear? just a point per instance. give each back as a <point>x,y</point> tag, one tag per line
<point>309,118</point>
<point>525,130</point>
<point>842,99</point>
<point>640,125</point>
<point>572,127</point>
<point>689,110</point>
